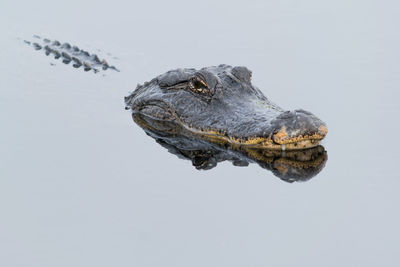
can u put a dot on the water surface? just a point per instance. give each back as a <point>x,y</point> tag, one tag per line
<point>82,185</point>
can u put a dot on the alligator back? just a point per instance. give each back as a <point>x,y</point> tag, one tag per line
<point>71,54</point>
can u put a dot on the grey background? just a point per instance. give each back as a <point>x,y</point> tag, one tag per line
<point>82,185</point>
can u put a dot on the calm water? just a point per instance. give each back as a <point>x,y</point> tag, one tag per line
<point>82,185</point>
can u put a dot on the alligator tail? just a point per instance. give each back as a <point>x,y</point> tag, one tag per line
<point>71,54</point>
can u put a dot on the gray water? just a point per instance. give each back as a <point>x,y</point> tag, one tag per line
<point>82,185</point>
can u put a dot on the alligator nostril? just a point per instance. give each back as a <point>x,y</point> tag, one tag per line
<point>303,111</point>
<point>287,115</point>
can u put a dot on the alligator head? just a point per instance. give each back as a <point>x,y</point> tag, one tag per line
<point>220,104</point>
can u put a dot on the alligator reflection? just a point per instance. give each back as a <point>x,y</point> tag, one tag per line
<point>290,166</point>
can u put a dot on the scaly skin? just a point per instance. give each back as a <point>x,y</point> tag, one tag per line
<point>71,54</point>
<point>221,105</point>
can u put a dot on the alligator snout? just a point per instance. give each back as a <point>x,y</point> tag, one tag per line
<point>298,129</point>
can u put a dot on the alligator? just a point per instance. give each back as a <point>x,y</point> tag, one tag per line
<point>221,105</point>
<point>289,166</point>
<point>217,103</point>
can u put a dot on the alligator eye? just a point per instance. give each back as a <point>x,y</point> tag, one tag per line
<point>197,85</point>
